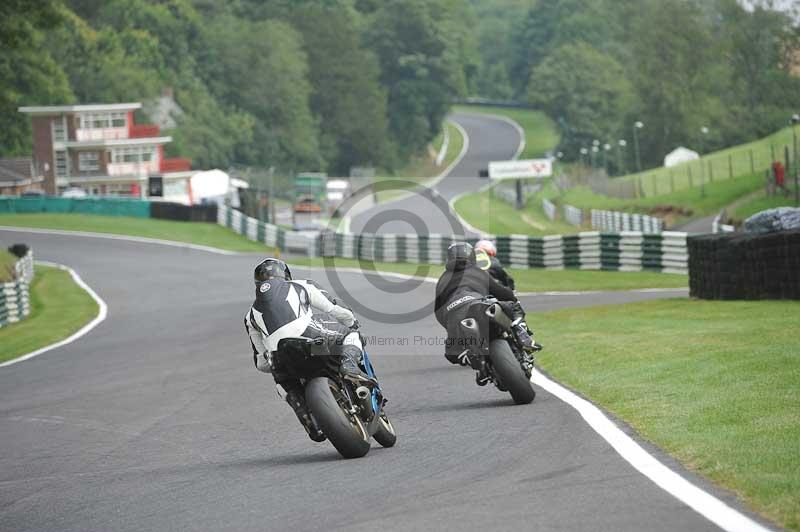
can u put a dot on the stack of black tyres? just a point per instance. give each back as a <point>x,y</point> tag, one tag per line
<point>745,266</point>
<point>183,213</point>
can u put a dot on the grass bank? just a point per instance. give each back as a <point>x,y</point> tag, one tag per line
<point>205,234</point>
<point>761,203</point>
<point>495,216</point>
<point>715,384</point>
<point>59,307</point>
<point>744,159</point>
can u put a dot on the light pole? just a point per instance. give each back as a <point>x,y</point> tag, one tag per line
<point>795,167</point>
<point>704,131</point>
<point>595,149</point>
<point>622,143</point>
<point>636,127</point>
<point>584,152</point>
<point>606,147</point>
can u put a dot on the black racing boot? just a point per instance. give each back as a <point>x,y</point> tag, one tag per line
<point>524,336</point>
<point>349,368</point>
<point>297,401</point>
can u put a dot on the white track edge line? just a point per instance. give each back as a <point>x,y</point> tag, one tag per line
<point>141,239</point>
<point>696,498</point>
<point>101,316</point>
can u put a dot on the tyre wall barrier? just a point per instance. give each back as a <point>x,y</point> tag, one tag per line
<point>624,221</point>
<point>184,213</point>
<point>15,295</point>
<point>623,251</point>
<point>573,215</point>
<point>745,266</point>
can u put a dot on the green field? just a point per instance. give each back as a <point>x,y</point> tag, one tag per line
<point>205,234</point>
<point>59,307</point>
<point>541,134</point>
<point>715,384</point>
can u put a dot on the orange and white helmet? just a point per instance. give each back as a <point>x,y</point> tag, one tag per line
<point>487,246</point>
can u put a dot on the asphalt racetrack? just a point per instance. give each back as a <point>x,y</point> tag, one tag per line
<point>157,420</point>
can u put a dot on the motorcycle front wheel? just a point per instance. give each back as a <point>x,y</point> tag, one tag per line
<point>329,407</point>
<point>510,373</point>
<point>385,435</point>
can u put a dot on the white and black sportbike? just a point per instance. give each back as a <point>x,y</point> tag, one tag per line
<point>493,347</point>
<point>347,413</point>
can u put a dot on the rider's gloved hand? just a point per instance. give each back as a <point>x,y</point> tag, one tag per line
<point>355,326</point>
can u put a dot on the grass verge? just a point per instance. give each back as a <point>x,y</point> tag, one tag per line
<point>533,280</point>
<point>541,133</point>
<point>7,261</point>
<point>59,307</point>
<point>761,203</point>
<point>715,384</point>
<point>205,234</point>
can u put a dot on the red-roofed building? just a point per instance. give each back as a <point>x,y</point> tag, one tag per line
<point>100,149</point>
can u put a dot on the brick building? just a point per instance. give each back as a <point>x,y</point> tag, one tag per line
<point>100,149</point>
<point>18,175</point>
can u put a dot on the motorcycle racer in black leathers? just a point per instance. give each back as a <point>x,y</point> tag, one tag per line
<point>463,281</point>
<point>287,308</point>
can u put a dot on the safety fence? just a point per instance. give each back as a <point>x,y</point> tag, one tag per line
<point>573,215</point>
<point>109,207</point>
<point>99,206</point>
<point>625,251</point>
<point>624,221</point>
<point>549,209</point>
<point>15,294</point>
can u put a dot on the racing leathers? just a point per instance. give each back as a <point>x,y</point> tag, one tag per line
<point>494,268</point>
<point>298,309</point>
<point>454,292</point>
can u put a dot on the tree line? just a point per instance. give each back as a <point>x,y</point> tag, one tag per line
<point>291,84</point>
<point>698,73</point>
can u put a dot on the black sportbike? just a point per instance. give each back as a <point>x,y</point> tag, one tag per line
<point>348,414</point>
<point>495,350</point>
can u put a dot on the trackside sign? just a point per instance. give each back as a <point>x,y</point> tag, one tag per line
<point>518,169</point>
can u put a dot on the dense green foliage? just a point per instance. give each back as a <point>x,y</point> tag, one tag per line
<point>598,66</point>
<point>295,85</point>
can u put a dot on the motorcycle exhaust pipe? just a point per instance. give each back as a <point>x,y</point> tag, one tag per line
<point>363,392</point>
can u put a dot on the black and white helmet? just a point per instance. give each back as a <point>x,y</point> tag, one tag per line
<point>272,269</point>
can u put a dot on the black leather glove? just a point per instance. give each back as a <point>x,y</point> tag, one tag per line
<point>355,326</point>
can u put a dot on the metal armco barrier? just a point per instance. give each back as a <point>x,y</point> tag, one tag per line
<point>625,251</point>
<point>624,221</point>
<point>573,215</point>
<point>15,295</point>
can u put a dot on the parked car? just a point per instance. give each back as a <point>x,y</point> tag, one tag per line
<point>307,204</point>
<point>74,193</point>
